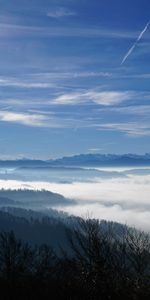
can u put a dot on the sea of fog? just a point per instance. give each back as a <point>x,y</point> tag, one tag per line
<point>115,193</point>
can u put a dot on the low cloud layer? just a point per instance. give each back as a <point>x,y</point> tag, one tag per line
<point>124,200</point>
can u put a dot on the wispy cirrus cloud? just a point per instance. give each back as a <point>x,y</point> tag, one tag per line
<point>14,82</point>
<point>67,75</point>
<point>133,129</point>
<point>36,120</point>
<point>17,30</point>
<point>47,80</point>
<point>105,98</point>
<point>132,75</point>
<point>81,97</point>
<point>54,120</point>
<point>23,118</point>
<point>50,120</point>
<point>60,12</point>
<point>132,109</point>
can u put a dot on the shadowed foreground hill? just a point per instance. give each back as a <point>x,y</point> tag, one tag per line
<point>49,226</point>
<point>34,227</point>
<point>100,262</point>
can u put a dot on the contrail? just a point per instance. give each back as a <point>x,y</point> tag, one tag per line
<point>134,45</point>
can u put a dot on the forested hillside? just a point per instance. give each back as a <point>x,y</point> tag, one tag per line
<point>74,259</point>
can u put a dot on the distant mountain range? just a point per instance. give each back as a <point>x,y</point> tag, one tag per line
<point>102,160</point>
<point>81,160</point>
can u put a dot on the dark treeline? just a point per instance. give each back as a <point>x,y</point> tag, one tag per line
<point>100,264</point>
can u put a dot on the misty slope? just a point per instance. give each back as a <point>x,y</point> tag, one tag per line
<point>47,227</point>
<point>34,214</point>
<point>32,198</point>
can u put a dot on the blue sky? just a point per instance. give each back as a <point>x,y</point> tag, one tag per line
<point>74,77</point>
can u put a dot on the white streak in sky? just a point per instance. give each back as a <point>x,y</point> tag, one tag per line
<point>134,45</point>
